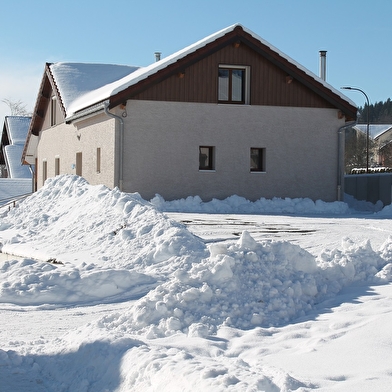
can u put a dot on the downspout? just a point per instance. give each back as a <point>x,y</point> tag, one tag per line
<point>121,148</point>
<point>32,178</point>
<point>341,142</point>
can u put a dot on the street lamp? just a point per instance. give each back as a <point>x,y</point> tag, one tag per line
<point>367,127</point>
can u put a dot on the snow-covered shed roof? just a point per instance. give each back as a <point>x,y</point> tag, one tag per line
<point>12,188</point>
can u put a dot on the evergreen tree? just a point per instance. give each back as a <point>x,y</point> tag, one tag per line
<point>379,113</point>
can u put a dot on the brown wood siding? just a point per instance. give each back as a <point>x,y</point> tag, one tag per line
<point>199,82</point>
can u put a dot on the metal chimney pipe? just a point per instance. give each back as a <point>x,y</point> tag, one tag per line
<point>157,56</point>
<point>323,64</point>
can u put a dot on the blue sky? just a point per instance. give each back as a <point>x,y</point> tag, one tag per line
<point>355,34</point>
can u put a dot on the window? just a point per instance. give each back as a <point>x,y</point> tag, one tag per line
<point>206,158</point>
<point>79,164</point>
<point>56,166</point>
<point>257,159</point>
<point>53,104</point>
<point>232,85</point>
<point>98,160</point>
<point>44,171</point>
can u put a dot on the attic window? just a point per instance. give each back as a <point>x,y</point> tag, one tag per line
<point>233,84</point>
<point>53,105</point>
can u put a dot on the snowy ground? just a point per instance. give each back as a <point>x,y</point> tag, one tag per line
<point>109,294</point>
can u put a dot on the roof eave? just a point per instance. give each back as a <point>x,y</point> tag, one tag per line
<point>86,113</point>
<point>37,117</point>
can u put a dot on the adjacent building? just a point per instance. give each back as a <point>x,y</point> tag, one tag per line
<point>15,178</point>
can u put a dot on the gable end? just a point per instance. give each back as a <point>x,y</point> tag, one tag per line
<point>309,91</point>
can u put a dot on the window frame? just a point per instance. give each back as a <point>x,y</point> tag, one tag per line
<point>210,158</point>
<point>245,84</point>
<point>260,166</point>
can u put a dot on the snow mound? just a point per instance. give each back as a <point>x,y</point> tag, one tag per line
<point>69,217</point>
<point>237,204</point>
<point>249,285</point>
<point>108,246</point>
<point>104,243</point>
<point>35,283</point>
<point>386,211</point>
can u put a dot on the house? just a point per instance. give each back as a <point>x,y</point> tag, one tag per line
<point>15,178</point>
<point>12,142</point>
<point>381,135</point>
<point>227,115</point>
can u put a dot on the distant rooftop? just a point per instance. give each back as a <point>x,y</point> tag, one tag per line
<point>17,127</point>
<point>375,130</point>
<point>13,138</point>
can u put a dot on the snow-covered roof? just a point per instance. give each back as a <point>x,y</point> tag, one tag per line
<point>17,128</point>
<point>75,80</point>
<point>13,155</point>
<point>106,90</point>
<point>12,188</point>
<point>375,130</point>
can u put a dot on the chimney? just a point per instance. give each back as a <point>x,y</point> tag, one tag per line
<point>157,56</point>
<point>323,64</point>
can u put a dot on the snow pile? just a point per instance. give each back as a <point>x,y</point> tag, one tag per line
<point>102,226</point>
<point>240,315</point>
<point>28,282</point>
<point>236,204</point>
<point>250,284</point>
<point>386,211</point>
<point>101,243</point>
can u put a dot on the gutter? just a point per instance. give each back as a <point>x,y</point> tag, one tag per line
<point>86,113</point>
<point>121,148</point>
<point>341,140</point>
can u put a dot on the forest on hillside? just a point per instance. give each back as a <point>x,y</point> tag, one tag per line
<point>379,113</point>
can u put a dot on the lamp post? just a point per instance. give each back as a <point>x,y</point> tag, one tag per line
<point>367,120</point>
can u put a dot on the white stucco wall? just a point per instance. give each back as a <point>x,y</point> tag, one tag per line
<point>161,150</point>
<point>65,140</point>
<point>162,142</point>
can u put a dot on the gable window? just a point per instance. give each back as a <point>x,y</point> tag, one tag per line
<point>53,103</point>
<point>206,158</point>
<point>257,159</point>
<point>232,84</point>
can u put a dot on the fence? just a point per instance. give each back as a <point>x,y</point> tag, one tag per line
<point>370,187</point>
